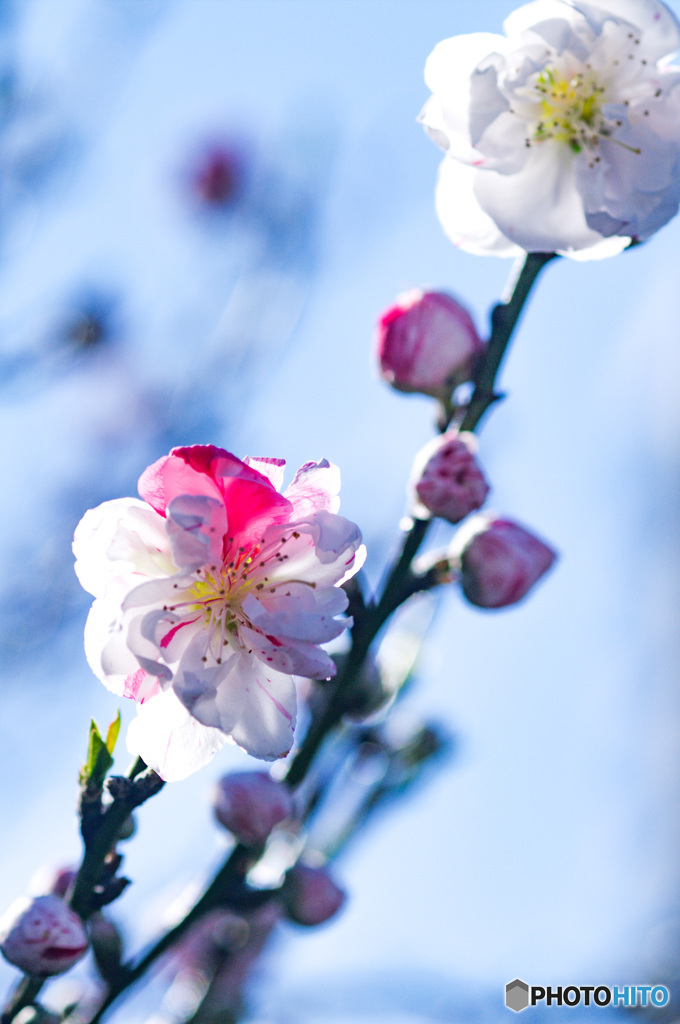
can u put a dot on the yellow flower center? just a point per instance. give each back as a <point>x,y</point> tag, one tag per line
<point>570,109</point>
<point>220,590</point>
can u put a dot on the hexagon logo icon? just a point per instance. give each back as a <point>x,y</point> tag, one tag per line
<point>517,995</point>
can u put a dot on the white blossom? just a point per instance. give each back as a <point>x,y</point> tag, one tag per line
<point>563,135</point>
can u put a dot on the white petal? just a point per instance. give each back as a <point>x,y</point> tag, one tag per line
<point>319,550</point>
<point>251,702</point>
<point>659,28</point>
<point>168,590</point>
<point>196,526</point>
<point>146,652</point>
<point>265,728</point>
<point>118,537</point>
<point>170,633</point>
<point>271,468</point>
<point>298,612</point>
<point>461,216</point>
<point>540,208</point>
<point>169,740</point>
<point>448,72</point>
<point>101,626</point>
<point>212,690</point>
<point>532,17</point>
<point>315,487</point>
<point>632,193</point>
<point>292,657</point>
<point>600,251</point>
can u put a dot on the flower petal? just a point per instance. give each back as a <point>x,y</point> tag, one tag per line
<point>246,699</point>
<point>121,537</point>
<point>102,629</point>
<point>271,468</point>
<point>170,740</point>
<point>540,208</point>
<point>448,72</point>
<point>292,657</point>
<point>298,612</point>
<point>659,28</point>
<point>462,217</point>
<point>265,728</point>
<point>315,487</point>
<point>196,526</point>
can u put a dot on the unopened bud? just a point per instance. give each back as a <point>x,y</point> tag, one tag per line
<point>42,935</point>
<point>446,480</point>
<point>427,342</point>
<point>500,561</point>
<point>311,896</point>
<point>52,878</point>
<point>107,945</point>
<point>217,179</point>
<point>250,804</point>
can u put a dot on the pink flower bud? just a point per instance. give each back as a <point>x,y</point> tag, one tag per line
<point>311,896</point>
<point>218,177</point>
<point>446,480</point>
<point>427,342</point>
<point>500,561</point>
<point>52,878</point>
<point>42,935</point>
<point>250,804</point>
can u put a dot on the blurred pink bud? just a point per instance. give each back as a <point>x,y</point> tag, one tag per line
<point>42,935</point>
<point>311,896</point>
<point>427,342</point>
<point>107,945</point>
<point>250,804</point>
<point>52,878</point>
<point>446,479</point>
<point>500,561</point>
<point>217,178</point>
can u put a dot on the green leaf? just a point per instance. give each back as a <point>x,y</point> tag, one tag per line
<point>98,760</point>
<point>112,734</point>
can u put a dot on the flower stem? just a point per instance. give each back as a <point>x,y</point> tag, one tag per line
<point>226,889</point>
<point>131,792</point>
<point>504,318</point>
<point>24,994</point>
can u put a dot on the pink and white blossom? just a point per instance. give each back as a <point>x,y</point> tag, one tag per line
<point>211,594</point>
<point>564,134</point>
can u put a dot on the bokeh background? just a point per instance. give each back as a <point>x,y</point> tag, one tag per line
<point>204,205</point>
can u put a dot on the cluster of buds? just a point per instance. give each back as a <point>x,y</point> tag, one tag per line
<point>427,342</point>
<point>250,805</point>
